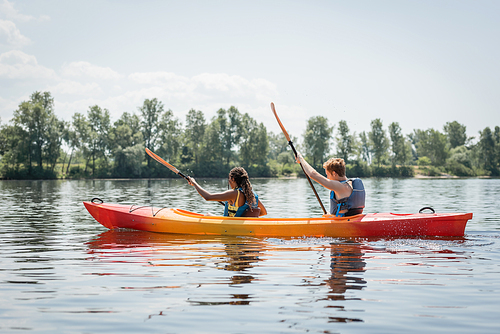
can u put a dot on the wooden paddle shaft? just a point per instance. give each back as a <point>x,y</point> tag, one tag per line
<point>295,153</point>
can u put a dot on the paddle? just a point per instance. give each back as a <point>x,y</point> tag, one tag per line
<point>166,164</point>
<point>169,166</point>
<point>295,152</point>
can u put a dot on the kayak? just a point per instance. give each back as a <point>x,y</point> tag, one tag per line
<point>172,220</point>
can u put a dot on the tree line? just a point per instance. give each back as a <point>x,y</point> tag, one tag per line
<point>36,144</point>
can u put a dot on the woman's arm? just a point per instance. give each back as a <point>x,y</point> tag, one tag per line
<point>229,195</point>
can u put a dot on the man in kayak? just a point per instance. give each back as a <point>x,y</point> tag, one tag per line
<point>347,196</point>
<point>240,200</point>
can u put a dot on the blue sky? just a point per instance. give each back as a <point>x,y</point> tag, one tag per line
<point>420,63</point>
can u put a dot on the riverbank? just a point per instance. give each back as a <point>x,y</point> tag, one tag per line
<point>418,172</point>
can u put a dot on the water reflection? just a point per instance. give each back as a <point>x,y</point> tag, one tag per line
<point>347,266</point>
<point>231,254</point>
<point>240,257</point>
<point>117,239</point>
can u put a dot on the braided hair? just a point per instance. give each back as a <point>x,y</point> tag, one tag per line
<point>240,177</point>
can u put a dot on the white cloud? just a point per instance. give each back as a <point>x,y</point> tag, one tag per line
<point>86,69</point>
<point>7,106</point>
<point>116,105</point>
<point>16,64</point>
<point>160,79</point>
<point>207,92</point>
<point>10,35</point>
<point>7,10</point>
<point>68,87</point>
<point>207,86</point>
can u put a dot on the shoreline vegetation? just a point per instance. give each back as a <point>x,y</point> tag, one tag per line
<point>35,144</point>
<point>416,175</point>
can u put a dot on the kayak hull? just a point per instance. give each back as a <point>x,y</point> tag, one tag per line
<point>170,220</point>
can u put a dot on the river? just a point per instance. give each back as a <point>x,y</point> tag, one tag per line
<point>62,272</point>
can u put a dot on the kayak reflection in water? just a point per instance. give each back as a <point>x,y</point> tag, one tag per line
<point>347,196</point>
<point>240,200</point>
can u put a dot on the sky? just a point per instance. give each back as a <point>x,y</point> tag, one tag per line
<point>419,63</point>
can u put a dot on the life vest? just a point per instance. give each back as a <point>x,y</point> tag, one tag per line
<point>239,211</point>
<point>351,205</point>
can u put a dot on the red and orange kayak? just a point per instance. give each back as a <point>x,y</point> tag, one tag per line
<point>170,220</point>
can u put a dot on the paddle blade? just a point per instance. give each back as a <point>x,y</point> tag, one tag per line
<point>160,160</point>
<point>279,122</point>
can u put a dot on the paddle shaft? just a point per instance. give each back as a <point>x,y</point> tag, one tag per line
<point>169,166</point>
<point>295,153</point>
<point>308,178</point>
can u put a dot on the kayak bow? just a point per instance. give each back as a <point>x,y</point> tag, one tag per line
<point>171,220</point>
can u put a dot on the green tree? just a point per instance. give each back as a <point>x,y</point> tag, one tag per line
<point>194,132</point>
<point>364,147</point>
<point>487,151</point>
<point>126,131</point>
<point>432,144</point>
<point>3,140</point>
<point>38,131</point>
<point>13,147</point>
<point>81,137</point>
<point>345,141</point>
<point>99,126</point>
<point>277,145</point>
<point>317,139</point>
<point>170,132</point>
<point>72,139</point>
<point>285,158</point>
<point>34,137</point>
<point>456,133</point>
<point>213,145</point>
<point>127,145</point>
<point>230,126</point>
<point>496,136</point>
<point>460,162</point>
<point>399,145</point>
<point>378,141</point>
<point>254,145</point>
<point>23,134</point>
<point>54,138</point>
<point>151,111</point>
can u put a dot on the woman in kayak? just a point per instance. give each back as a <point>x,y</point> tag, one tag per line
<point>347,196</point>
<point>240,200</point>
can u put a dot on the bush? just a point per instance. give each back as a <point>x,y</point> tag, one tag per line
<point>406,171</point>
<point>287,170</point>
<point>358,169</point>
<point>430,171</point>
<point>424,161</point>
<point>458,169</point>
<point>481,172</point>
<point>76,172</point>
<point>23,174</point>
<point>258,171</point>
<point>274,168</point>
<point>382,171</point>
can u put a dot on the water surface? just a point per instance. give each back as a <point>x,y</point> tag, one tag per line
<point>61,271</point>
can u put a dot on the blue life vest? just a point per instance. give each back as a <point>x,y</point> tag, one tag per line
<point>235,211</point>
<point>351,205</point>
